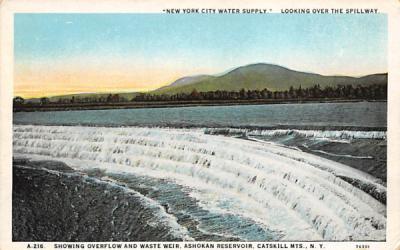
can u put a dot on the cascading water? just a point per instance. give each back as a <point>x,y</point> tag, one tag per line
<point>332,134</point>
<point>288,194</point>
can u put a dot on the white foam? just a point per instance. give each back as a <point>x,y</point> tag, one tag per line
<point>286,190</point>
<point>328,134</point>
<point>342,155</point>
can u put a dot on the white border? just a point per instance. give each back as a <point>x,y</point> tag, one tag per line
<point>8,8</point>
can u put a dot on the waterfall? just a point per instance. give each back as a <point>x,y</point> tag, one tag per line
<point>302,196</point>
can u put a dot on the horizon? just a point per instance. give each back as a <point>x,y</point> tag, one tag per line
<point>65,54</point>
<point>217,74</point>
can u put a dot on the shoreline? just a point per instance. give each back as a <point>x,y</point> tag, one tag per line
<point>220,129</point>
<point>173,104</point>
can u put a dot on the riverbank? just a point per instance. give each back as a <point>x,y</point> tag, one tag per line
<point>170,104</point>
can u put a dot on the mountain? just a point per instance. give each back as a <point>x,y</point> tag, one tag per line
<point>260,76</point>
<point>189,80</point>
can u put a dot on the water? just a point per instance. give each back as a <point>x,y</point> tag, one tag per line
<point>361,114</point>
<point>252,182</point>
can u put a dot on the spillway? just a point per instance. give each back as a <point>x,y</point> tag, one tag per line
<point>297,195</point>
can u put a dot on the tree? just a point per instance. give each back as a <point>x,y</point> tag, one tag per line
<point>109,98</point>
<point>18,100</point>
<point>115,98</point>
<point>291,93</point>
<point>243,94</point>
<point>195,95</point>
<point>44,100</point>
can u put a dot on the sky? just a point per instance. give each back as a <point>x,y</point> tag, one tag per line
<point>59,54</point>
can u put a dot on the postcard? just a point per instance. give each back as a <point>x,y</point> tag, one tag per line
<point>200,125</point>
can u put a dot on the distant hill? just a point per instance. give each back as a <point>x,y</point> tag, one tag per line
<point>189,80</point>
<point>260,76</point>
<point>127,96</point>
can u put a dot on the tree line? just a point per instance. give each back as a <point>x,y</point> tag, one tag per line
<point>370,92</point>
